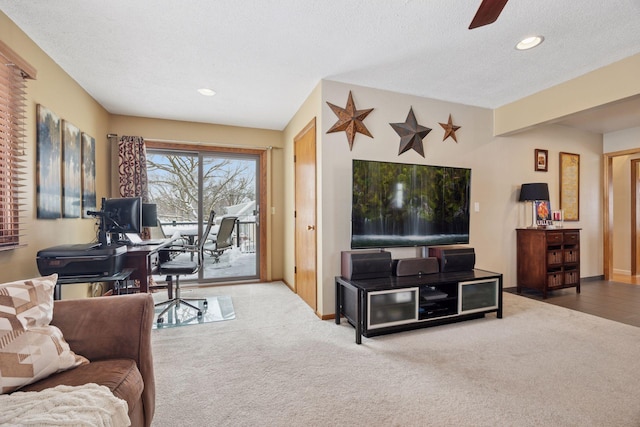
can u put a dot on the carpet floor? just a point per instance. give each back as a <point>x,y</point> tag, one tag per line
<point>277,364</point>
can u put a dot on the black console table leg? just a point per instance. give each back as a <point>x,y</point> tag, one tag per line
<point>338,303</point>
<point>359,320</point>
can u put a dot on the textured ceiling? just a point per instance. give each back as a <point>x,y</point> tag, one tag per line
<point>264,57</point>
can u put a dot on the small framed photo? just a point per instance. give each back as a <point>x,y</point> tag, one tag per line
<point>543,213</point>
<point>557,217</point>
<point>541,160</point>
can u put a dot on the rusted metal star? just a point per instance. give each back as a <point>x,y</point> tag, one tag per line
<point>450,130</point>
<point>411,134</point>
<point>350,120</point>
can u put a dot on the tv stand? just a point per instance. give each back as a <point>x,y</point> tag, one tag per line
<point>392,304</point>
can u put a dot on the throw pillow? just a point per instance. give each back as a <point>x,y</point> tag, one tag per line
<point>30,348</point>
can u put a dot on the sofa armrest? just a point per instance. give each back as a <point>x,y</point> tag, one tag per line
<point>114,327</point>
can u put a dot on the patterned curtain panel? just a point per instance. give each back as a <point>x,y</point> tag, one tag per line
<point>132,171</point>
<point>132,167</point>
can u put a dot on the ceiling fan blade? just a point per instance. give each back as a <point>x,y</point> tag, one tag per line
<point>487,13</point>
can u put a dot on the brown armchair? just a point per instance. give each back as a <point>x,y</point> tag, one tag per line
<point>114,333</point>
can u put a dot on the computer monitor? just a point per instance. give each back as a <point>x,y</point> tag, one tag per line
<point>149,215</point>
<point>122,215</point>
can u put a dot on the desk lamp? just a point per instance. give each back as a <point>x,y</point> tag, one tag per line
<point>532,193</point>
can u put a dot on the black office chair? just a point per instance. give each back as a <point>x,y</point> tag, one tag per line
<point>223,240</point>
<point>174,267</point>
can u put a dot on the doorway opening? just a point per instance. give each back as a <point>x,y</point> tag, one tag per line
<point>609,242</point>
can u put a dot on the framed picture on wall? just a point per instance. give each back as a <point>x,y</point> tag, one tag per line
<point>541,160</point>
<point>88,175</point>
<point>71,179</point>
<point>570,186</point>
<point>48,164</point>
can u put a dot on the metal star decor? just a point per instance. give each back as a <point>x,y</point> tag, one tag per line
<point>411,134</point>
<point>350,120</point>
<point>450,130</point>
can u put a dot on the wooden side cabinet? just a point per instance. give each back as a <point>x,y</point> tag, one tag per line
<point>548,259</point>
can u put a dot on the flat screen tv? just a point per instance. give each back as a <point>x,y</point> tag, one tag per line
<point>397,204</point>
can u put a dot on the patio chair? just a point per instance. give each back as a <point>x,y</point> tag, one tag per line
<point>223,240</point>
<point>177,267</point>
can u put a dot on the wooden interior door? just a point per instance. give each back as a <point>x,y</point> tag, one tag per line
<point>635,220</point>
<point>305,214</point>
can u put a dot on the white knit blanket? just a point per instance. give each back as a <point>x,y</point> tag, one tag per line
<point>86,405</point>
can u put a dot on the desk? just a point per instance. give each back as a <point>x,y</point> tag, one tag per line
<point>144,260</point>
<point>116,279</point>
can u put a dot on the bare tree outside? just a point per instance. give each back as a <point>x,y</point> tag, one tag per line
<point>173,184</point>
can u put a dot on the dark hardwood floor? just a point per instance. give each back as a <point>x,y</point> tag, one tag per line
<point>612,300</point>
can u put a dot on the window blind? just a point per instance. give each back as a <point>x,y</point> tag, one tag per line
<point>13,74</point>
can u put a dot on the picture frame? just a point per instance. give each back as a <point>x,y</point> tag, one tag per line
<point>557,216</point>
<point>541,160</point>
<point>48,164</point>
<point>570,186</point>
<point>88,153</point>
<point>71,171</point>
<point>543,213</point>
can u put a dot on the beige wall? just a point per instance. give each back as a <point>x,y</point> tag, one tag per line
<point>210,134</point>
<point>627,139</point>
<point>309,110</point>
<point>499,166</point>
<point>62,95</point>
<point>605,85</point>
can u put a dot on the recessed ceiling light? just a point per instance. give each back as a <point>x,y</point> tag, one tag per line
<point>206,92</point>
<point>529,42</point>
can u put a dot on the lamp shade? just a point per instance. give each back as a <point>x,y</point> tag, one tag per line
<point>534,191</point>
<point>149,215</point>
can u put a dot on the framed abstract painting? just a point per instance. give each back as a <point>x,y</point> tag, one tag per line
<point>88,175</point>
<point>48,164</point>
<point>71,171</point>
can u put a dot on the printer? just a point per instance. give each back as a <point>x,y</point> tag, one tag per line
<point>82,260</point>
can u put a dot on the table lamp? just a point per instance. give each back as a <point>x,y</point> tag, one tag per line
<point>534,192</point>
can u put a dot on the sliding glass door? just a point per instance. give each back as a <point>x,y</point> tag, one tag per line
<point>186,185</point>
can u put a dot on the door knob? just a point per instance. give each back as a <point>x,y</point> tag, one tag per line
<point>311,227</point>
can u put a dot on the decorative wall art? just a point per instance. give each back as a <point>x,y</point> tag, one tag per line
<point>48,164</point>
<point>449,129</point>
<point>88,175</point>
<point>543,213</point>
<point>71,175</point>
<point>570,186</point>
<point>350,120</point>
<point>541,159</point>
<point>411,134</point>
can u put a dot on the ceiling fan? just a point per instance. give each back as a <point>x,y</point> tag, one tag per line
<point>487,13</point>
